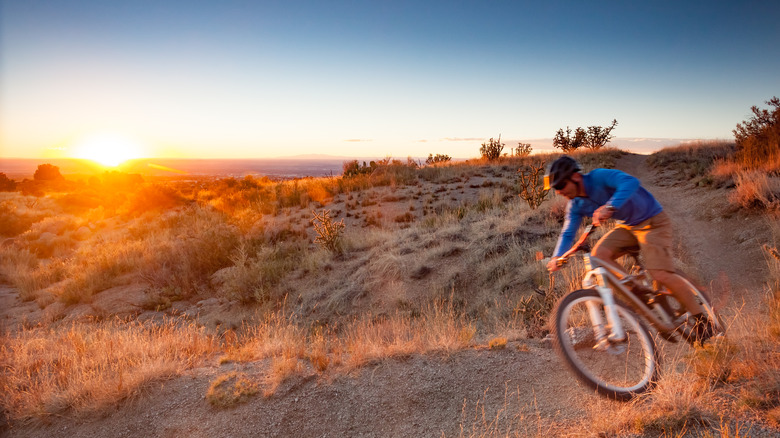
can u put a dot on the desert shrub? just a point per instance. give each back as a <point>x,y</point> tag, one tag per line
<point>353,168</point>
<point>438,158</point>
<point>531,184</point>
<point>230,389</point>
<point>253,277</point>
<point>230,195</point>
<point>47,172</point>
<point>758,138</point>
<point>522,150</point>
<point>184,250</point>
<point>492,149</point>
<point>756,189</point>
<point>594,138</point>
<point>387,171</point>
<point>6,184</point>
<point>13,222</point>
<point>155,197</point>
<point>597,137</point>
<point>395,172</point>
<point>289,193</point>
<point>22,269</point>
<point>564,141</point>
<point>80,202</point>
<point>329,232</point>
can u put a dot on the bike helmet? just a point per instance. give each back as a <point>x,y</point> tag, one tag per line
<point>560,170</point>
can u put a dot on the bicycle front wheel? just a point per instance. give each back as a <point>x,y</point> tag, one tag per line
<point>618,370</point>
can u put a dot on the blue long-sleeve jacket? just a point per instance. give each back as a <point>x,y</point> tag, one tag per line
<point>632,202</point>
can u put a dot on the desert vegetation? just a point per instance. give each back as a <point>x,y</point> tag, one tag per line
<point>295,264</point>
<point>126,281</point>
<point>592,137</point>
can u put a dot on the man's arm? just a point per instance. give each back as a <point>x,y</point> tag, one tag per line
<point>568,232</point>
<point>624,184</point>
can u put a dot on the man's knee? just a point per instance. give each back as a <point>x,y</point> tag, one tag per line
<point>603,253</point>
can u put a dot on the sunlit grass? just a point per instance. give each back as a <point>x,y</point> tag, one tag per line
<point>89,367</point>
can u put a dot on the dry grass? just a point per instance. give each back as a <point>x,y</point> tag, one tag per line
<point>756,190</point>
<point>460,274</point>
<point>729,387</point>
<point>88,367</point>
<point>231,389</point>
<point>516,417</point>
<point>292,348</point>
<point>693,159</point>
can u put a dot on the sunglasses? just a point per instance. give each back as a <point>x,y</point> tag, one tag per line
<point>561,184</point>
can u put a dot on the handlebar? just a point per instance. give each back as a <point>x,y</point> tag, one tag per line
<point>581,245</point>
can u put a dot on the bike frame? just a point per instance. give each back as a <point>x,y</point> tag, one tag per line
<point>605,278</point>
<point>608,278</point>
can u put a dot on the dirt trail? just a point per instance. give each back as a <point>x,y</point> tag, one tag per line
<point>723,249</point>
<point>435,394</point>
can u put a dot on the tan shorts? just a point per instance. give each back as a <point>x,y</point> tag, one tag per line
<point>653,237</point>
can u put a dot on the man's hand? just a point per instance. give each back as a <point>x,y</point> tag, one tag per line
<point>601,214</point>
<point>552,265</point>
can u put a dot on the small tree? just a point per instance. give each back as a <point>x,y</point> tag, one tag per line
<point>758,139</point>
<point>47,172</point>
<point>531,184</point>
<point>492,149</point>
<point>438,158</point>
<point>6,184</point>
<point>523,149</point>
<point>597,137</point>
<point>567,143</point>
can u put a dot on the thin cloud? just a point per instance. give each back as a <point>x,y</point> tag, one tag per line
<point>357,140</point>
<point>461,139</point>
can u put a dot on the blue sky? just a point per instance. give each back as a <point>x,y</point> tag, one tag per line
<point>260,78</point>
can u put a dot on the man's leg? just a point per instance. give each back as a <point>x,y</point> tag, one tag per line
<point>655,239</point>
<point>610,246</point>
<point>679,288</point>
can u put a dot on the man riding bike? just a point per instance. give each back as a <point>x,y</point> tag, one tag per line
<point>610,193</point>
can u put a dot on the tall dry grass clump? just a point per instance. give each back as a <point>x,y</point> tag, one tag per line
<point>89,367</point>
<point>756,190</point>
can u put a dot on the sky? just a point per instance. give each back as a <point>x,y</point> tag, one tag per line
<point>255,79</point>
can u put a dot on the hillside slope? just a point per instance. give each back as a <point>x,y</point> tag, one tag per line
<point>523,388</point>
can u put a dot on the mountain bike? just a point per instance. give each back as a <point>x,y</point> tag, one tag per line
<point>601,330</point>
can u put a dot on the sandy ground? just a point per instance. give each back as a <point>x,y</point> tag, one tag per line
<point>524,385</point>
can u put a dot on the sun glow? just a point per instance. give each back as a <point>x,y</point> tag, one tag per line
<point>110,150</point>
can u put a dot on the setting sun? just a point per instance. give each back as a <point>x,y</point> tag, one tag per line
<point>107,149</point>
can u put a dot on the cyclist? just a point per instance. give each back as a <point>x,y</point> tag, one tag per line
<point>610,193</point>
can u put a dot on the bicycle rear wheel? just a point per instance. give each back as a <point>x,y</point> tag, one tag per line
<point>618,370</point>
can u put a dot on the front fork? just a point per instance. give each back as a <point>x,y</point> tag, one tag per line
<point>612,331</point>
